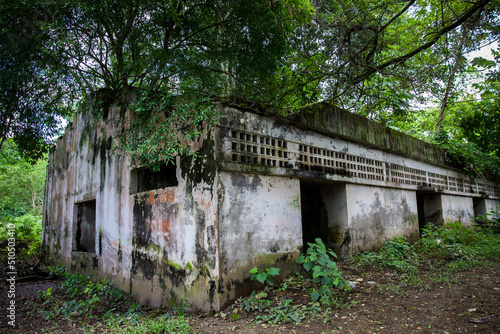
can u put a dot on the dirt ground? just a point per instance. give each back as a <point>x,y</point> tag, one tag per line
<point>466,302</point>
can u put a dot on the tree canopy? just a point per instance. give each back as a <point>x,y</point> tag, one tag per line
<point>375,57</point>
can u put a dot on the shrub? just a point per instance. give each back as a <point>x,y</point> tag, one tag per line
<point>28,234</point>
<point>396,254</point>
<point>325,273</point>
<point>458,242</point>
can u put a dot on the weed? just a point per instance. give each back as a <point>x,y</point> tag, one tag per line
<point>396,254</point>
<point>180,309</point>
<point>286,312</point>
<point>458,243</point>
<point>254,302</point>
<point>490,221</point>
<point>44,295</point>
<point>80,296</point>
<point>59,271</point>
<point>325,272</point>
<point>164,324</point>
<point>266,276</point>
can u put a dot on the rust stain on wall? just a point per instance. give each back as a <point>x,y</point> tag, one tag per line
<point>167,197</point>
<point>205,204</point>
<point>151,198</point>
<point>165,228</point>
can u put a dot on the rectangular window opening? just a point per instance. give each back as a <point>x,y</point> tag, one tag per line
<point>145,179</point>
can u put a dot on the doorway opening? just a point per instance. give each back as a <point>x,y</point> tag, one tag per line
<point>479,206</point>
<point>314,215</point>
<point>429,209</point>
<point>84,226</point>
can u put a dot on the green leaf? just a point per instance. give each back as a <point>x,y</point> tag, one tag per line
<point>261,277</point>
<point>274,271</point>
<point>308,266</point>
<point>254,271</point>
<point>314,296</point>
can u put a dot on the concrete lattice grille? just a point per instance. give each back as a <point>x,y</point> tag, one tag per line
<point>257,149</point>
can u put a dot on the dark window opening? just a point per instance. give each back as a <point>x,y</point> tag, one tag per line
<point>84,226</point>
<point>145,179</point>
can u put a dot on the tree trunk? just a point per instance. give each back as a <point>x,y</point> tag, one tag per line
<point>451,79</point>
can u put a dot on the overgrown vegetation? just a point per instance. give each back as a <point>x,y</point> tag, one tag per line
<point>440,252</point>
<point>27,233</point>
<point>79,297</point>
<point>315,293</point>
<point>21,183</point>
<point>325,273</point>
<point>21,196</point>
<point>379,58</point>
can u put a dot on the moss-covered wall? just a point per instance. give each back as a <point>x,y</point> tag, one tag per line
<point>330,119</point>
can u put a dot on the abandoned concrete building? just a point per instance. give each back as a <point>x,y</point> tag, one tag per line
<point>263,186</point>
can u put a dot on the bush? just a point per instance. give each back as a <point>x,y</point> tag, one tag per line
<point>396,254</point>
<point>27,233</point>
<point>325,273</point>
<point>455,241</point>
<point>489,222</point>
<point>80,296</point>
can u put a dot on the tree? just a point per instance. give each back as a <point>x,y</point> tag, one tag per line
<point>33,96</point>
<point>359,53</point>
<point>480,123</point>
<point>120,47</point>
<point>21,183</point>
<point>213,46</point>
<point>371,56</point>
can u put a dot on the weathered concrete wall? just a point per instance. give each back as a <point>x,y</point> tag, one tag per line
<point>252,143</point>
<point>457,209</point>
<point>83,172</point>
<point>159,244</point>
<point>379,214</point>
<point>341,123</point>
<point>361,218</point>
<point>174,255</point>
<point>259,226</point>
